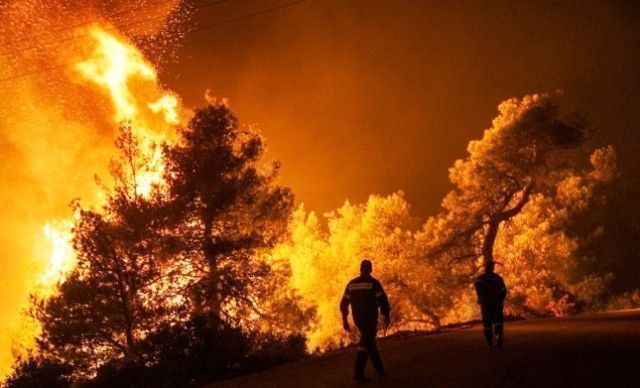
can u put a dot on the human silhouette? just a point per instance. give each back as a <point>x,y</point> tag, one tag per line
<point>366,296</point>
<point>491,292</point>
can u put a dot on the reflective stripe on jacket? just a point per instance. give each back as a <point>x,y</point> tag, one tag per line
<point>365,295</point>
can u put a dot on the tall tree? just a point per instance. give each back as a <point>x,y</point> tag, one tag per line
<point>524,152</point>
<point>112,298</point>
<point>227,205</point>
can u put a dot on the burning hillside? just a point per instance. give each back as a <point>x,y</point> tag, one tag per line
<point>69,77</point>
<point>187,241</point>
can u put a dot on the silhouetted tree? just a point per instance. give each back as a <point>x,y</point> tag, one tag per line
<point>37,372</point>
<point>226,206</point>
<point>114,296</point>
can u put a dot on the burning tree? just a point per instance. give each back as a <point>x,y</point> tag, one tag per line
<point>521,154</point>
<point>525,178</point>
<point>546,258</point>
<point>514,197</point>
<point>323,259</point>
<point>114,296</point>
<point>170,279</point>
<point>226,207</point>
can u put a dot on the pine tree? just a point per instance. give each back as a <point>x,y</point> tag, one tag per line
<point>226,206</point>
<point>113,298</point>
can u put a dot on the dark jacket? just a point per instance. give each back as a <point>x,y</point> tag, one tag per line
<point>490,288</point>
<point>366,296</point>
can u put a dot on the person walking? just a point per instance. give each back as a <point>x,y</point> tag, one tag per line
<point>491,292</point>
<point>366,296</point>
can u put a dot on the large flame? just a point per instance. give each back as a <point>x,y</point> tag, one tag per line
<point>60,255</point>
<point>115,66</point>
<point>109,67</point>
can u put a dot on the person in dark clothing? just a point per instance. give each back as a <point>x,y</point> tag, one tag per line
<point>366,296</point>
<point>491,292</point>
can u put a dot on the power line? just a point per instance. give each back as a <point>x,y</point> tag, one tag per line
<point>228,21</point>
<point>267,10</point>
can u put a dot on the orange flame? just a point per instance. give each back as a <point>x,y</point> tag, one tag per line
<point>117,70</point>
<point>61,256</point>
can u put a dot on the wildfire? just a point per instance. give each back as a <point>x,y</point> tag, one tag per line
<point>167,104</point>
<point>115,69</point>
<point>61,257</point>
<point>120,70</point>
<point>112,65</point>
<point>321,254</point>
<point>116,65</point>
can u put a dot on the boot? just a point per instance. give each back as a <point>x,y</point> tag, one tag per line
<point>361,362</point>
<point>377,362</point>
<point>362,379</point>
<point>488,335</point>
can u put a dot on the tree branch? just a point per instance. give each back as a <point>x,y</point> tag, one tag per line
<point>526,194</point>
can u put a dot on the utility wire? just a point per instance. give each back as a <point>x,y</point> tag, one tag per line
<point>267,10</point>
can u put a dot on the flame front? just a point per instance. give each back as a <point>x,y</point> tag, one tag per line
<point>120,70</point>
<point>61,257</point>
<point>112,65</point>
<point>115,71</point>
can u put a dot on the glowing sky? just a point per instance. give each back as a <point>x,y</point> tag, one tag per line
<point>360,97</point>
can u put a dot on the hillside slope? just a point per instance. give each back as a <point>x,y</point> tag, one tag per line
<point>589,350</point>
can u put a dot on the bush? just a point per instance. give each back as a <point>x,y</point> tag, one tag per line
<point>192,353</point>
<point>33,372</point>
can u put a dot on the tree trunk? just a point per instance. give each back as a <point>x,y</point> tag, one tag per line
<point>489,241</point>
<point>127,315</point>
<point>494,224</point>
<point>131,354</point>
<point>212,281</point>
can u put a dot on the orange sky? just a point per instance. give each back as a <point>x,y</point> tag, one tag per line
<point>360,97</point>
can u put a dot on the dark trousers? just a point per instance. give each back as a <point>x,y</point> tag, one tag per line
<point>367,347</point>
<point>492,321</point>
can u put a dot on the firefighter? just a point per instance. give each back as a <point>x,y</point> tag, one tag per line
<point>366,296</point>
<point>491,292</point>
